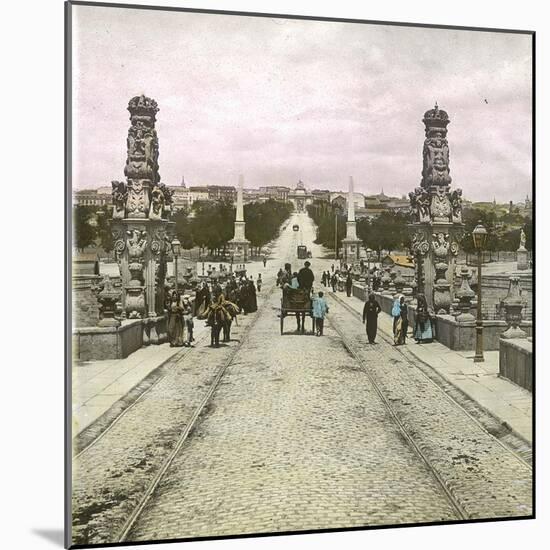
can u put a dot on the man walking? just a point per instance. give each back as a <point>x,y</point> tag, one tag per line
<point>349,284</point>
<point>320,309</point>
<point>370,317</point>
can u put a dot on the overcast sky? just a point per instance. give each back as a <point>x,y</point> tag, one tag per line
<point>280,100</point>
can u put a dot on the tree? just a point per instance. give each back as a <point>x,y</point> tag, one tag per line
<point>104,229</point>
<point>84,232</point>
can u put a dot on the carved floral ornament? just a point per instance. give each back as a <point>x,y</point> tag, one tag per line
<point>420,245</point>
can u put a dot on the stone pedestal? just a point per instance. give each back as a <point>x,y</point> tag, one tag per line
<point>521,257</point>
<point>513,305</point>
<point>351,250</point>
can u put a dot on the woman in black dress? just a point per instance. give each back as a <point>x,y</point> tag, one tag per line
<point>370,317</point>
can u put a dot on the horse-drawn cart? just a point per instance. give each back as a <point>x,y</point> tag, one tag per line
<point>295,302</point>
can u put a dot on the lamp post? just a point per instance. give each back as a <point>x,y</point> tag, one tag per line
<point>335,233</point>
<point>369,252</point>
<point>479,236</point>
<point>176,249</point>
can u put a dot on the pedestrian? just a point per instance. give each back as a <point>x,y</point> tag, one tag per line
<point>370,317</point>
<point>349,284</point>
<point>252,301</point>
<point>334,282</point>
<point>396,315</point>
<point>243,298</point>
<point>188,319</point>
<point>320,309</point>
<point>332,268</point>
<point>259,282</point>
<point>404,314</point>
<point>175,325</point>
<point>423,330</point>
<point>265,261</point>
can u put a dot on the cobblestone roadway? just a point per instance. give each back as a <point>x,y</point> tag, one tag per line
<point>296,438</point>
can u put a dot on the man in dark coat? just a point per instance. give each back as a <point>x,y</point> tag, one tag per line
<point>370,317</point>
<point>349,284</point>
<point>306,277</point>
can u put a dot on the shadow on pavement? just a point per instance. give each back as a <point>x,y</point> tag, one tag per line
<point>52,535</point>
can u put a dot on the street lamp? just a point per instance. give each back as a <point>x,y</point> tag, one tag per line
<point>369,252</point>
<point>335,234</point>
<point>479,236</point>
<point>176,249</point>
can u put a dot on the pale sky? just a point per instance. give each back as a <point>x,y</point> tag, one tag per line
<point>280,100</point>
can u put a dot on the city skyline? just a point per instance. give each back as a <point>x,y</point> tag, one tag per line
<point>279,104</point>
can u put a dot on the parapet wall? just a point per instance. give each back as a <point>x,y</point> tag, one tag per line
<point>516,361</point>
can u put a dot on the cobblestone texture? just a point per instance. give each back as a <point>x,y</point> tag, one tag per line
<point>292,442</point>
<point>294,438</point>
<point>486,478</point>
<point>110,477</point>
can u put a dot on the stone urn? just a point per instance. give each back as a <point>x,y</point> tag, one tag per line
<point>108,299</point>
<point>464,295</point>
<point>513,306</point>
<point>399,281</point>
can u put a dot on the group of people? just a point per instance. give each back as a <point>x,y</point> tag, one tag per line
<point>218,305</point>
<point>338,280</point>
<point>180,319</point>
<point>303,279</point>
<point>423,329</point>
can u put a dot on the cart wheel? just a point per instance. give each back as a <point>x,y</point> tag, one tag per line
<point>282,320</point>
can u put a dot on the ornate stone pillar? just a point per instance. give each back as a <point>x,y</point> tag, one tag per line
<point>437,217</point>
<point>139,225</point>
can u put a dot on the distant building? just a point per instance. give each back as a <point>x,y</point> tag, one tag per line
<point>300,197</point>
<point>93,197</point>
<point>341,198</point>
<point>276,192</point>
<point>222,192</point>
<point>198,193</point>
<point>321,195</point>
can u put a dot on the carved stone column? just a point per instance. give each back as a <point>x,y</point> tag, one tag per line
<point>437,217</point>
<point>139,225</point>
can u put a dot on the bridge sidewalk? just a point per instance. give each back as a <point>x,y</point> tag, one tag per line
<point>501,398</point>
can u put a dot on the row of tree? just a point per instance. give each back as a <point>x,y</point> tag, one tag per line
<point>389,231</point>
<point>385,232</point>
<point>208,225</point>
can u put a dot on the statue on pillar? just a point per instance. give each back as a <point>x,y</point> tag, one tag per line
<point>120,194</point>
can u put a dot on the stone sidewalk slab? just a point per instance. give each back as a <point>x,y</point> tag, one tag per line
<point>98,385</point>
<point>501,398</point>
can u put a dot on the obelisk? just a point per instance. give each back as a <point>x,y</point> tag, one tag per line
<point>351,244</point>
<point>239,244</point>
